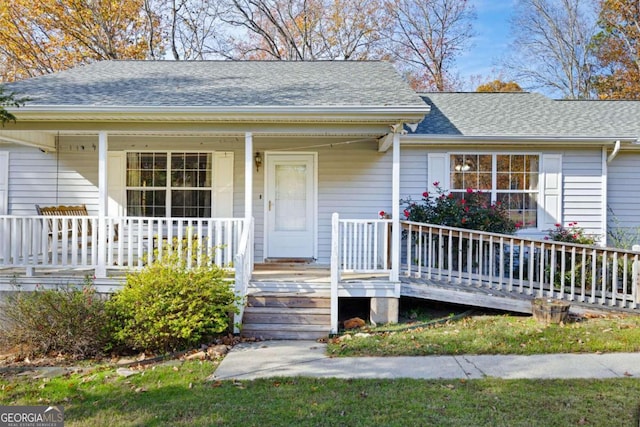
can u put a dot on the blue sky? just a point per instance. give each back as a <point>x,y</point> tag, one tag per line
<point>492,31</point>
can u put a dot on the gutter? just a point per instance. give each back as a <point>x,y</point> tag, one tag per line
<point>435,139</point>
<point>614,153</point>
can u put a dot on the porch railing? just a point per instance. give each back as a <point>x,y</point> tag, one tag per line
<point>357,246</point>
<point>72,241</point>
<point>243,270</point>
<point>541,268</point>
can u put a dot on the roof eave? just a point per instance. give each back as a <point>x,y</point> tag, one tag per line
<point>249,114</point>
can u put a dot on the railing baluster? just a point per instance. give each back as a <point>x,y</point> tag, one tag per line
<point>460,250</point>
<point>614,280</point>
<point>573,274</point>
<point>603,289</point>
<point>625,281</point>
<point>594,282</point>
<point>450,255</point>
<point>470,259</point>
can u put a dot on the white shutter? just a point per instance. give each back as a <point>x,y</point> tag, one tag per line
<point>437,171</point>
<point>550,206</point>
<point>116,165</point>
<point>4,182</point>
<point>223,185</point>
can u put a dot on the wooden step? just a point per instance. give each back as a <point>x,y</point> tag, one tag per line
<point>289,301</point>
<point>286,317</point>
<point>285,331</point>
<point>283,315</point>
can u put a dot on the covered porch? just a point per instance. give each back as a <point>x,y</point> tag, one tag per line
<point>48,250</point>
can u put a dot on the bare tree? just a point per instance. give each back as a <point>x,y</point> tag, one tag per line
<point>552,47</point>
<point>427,36</point>
<point>302,30</point>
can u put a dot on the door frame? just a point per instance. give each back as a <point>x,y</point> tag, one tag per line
<point>270,157</point>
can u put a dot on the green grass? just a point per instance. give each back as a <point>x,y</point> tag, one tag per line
<point>497,334</point>
<point>182,397</point>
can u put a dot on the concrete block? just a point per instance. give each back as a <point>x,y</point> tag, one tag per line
<point>384,310</point>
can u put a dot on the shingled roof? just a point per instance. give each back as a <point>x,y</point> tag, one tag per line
<point>221,84</point>
<point>525,115</point>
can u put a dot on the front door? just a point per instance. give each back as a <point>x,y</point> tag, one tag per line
<point>290,205</point>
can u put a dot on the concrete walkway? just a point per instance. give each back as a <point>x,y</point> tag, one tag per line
<point>249,361</point>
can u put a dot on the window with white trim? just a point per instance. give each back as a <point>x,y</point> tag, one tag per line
<point>511,180</point>
<point>175,184</point>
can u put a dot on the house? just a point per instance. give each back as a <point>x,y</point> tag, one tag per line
<point>254,159</point>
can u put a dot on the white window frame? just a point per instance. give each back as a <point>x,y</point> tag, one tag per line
<point>549,199</point>
<point>168,187</point>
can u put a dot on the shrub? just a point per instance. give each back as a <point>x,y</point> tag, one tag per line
<point>167,306</point>
<point>68,319</point>
<point>570,234</point>
<point>471,212</point>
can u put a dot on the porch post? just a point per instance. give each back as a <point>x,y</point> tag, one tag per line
<point>248,175</point>
<point>101,266</point>
<point>395,209</point>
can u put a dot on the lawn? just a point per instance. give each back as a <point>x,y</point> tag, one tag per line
<point>491,333</point>
<point>181,395</point>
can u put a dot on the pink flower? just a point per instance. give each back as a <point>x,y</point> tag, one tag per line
<point>469,190</point>
<point>406,213</point>
<point>436,183</point>
<point>425,194</point>
<point>463,201</point>
<point>546,237</point>
<point>450,195</point>
<point>519,224</point>
<point>558,225</point>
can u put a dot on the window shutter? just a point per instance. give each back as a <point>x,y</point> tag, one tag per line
<point>223,185</point>
<point>437,171</point>
<point>4,182</point>
<point>550,206</point>
<point>116,184</point>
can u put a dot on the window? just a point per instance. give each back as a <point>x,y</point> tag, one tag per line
<point>508,179</point>
<point>176,184</point>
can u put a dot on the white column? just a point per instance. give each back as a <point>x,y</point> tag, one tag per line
<point>101,267</point>
<point>395,209</point>
<point>248,175</point>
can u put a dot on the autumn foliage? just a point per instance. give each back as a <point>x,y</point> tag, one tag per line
<point>618,50</point>
<point>49,35</point>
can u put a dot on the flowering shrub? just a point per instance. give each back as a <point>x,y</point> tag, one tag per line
<point>472,212</point>
<point>570,234</point>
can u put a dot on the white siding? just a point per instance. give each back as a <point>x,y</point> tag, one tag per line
<point>582,192</point>
<point>4,182</point>
<point>67,177</point>
<point>624,196</point>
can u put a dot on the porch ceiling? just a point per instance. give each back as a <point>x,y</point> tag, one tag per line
<point>42,140</point>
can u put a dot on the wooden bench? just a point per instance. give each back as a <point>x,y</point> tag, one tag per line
<point>61,211</point>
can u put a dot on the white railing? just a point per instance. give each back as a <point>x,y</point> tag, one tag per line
<point>357,246</point>
<point>541,268</point>
<point>72,241</point>
<point>243,270</point>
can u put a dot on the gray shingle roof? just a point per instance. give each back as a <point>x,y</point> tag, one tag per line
<point>528,115</point>
<point>221,84</point>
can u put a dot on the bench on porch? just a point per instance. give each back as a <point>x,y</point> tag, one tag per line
<point>70,211</point>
